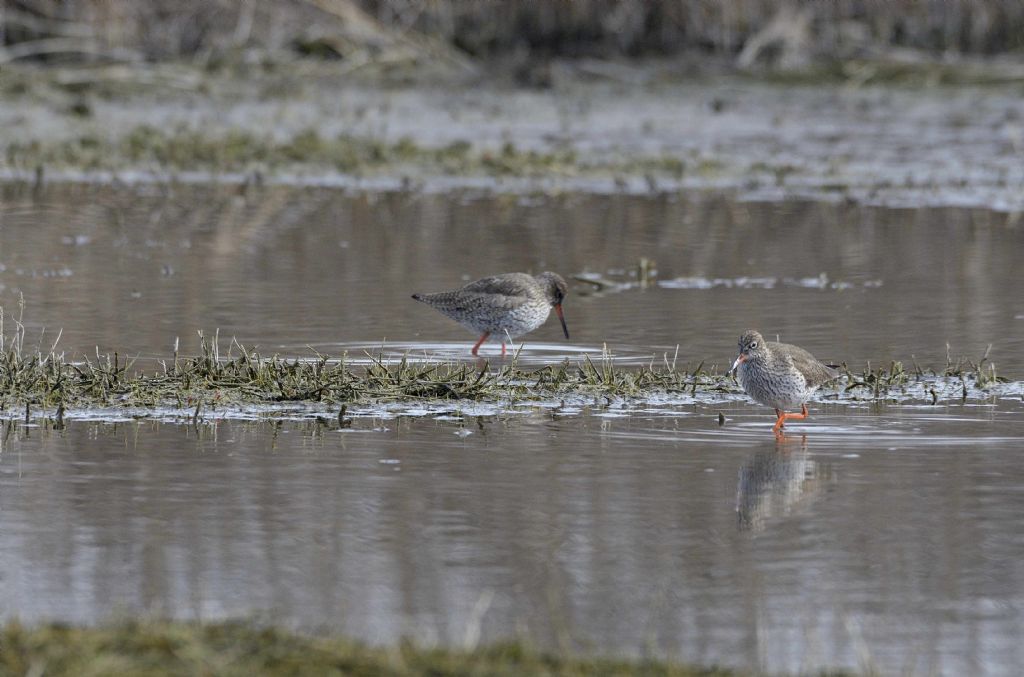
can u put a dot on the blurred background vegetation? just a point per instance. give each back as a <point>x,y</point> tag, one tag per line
<point>740,33</point>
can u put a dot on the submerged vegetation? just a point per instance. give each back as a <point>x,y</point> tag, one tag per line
<point>241,376</point>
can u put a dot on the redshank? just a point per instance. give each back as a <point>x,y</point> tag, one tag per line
<point>512,304</point>
<point>779,375</point>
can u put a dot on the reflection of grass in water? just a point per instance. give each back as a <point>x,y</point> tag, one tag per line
<point>43,377</point>
<point>237,648</point>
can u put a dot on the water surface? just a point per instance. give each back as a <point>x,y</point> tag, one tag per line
<point>131,268</point>
<point>874,535</point>
<point>871,537</point>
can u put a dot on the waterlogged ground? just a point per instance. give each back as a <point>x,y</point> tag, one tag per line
<point>598,128</point>
<point>878,534</point>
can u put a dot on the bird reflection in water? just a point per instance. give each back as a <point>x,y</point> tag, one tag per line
<point>777,483</point>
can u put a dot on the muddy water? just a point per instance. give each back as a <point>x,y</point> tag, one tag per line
<point>873,536</point>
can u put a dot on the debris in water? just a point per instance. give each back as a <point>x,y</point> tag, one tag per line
<point>342,421</point>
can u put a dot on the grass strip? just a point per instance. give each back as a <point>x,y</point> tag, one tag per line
<point>151,648</point>
<point>47,378</point>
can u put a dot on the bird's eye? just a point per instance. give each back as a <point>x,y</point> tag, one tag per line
<point>753,345</point>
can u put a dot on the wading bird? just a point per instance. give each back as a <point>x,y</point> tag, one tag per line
<point>779,375</point>
<point>512,304</point>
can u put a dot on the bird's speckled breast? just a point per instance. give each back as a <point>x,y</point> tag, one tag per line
<point>781,388</point>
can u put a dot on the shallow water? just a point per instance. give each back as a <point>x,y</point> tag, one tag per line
<point>130,269</point>
<point>869,537</point>
<point>873,535</point>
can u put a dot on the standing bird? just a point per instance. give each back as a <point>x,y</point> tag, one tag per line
<point>513,303</point>
<point>779,375</point>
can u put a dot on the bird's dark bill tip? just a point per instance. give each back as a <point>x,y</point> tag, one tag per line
<point>561,318</point>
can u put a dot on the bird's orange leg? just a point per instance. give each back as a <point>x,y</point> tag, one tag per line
<point>478,343</point>
<point>503,349</point>
<point>783,417</point>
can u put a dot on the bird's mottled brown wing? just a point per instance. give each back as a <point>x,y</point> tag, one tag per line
<point>816,373</point>
<point>488,297</point>
<point>459,303</point>
<point>509,284</point>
